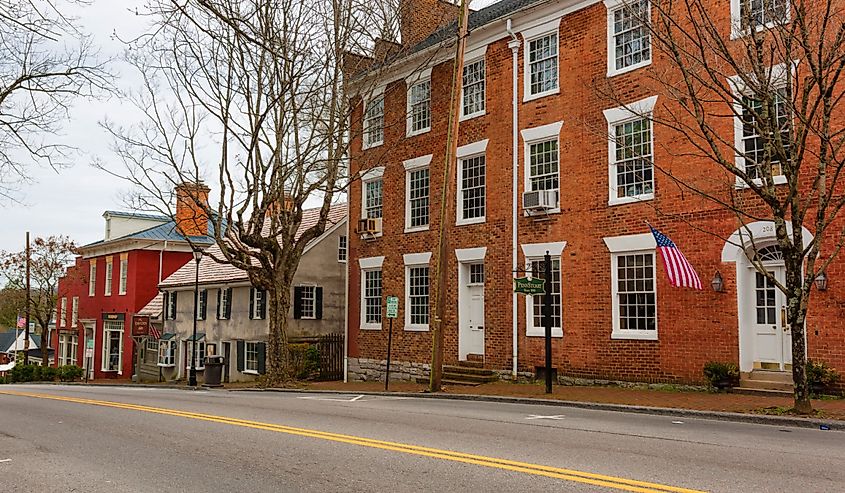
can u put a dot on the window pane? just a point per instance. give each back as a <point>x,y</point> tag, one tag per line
<point>537,269</point>
<point>372,297</point>
<point>420,98</point>
<point>631,41</point>
<point>635,292</point>
<point>418,295</point>
<point>543,63</point>
<point>473,187</point>
<point>418,188</point>
<point>473,88</point>
<point>633,158</point>
<point>373,198</point>
<point>543,168</point>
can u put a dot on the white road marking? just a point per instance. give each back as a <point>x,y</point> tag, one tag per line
<point>540,416</point>
<point>5,460</point>
<point>677,422</point>
<point>356,398</point>
<point>353,399</point>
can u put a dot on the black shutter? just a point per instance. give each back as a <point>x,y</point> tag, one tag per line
<point>228,303</point>
<point>219,301</point>
<point>263,305</point>
<point>297,302</point>
<point>241,355</point>
<point>262,356</point>
<point>173,299</point>
<point>204,303</point>
<point>318,302</point>
<point>252,303</point>
<point>166,305</point>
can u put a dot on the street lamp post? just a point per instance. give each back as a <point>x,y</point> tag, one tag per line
<point>192,379</point>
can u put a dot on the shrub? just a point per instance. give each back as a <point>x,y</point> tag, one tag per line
<point>820,376</point>
<point>38,373</point>
<point>69,373</point>
<point>720,374</point>
<point>304,360</point>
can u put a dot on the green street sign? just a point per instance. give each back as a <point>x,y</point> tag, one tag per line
<point>392,306</point>
<point>526,285</point>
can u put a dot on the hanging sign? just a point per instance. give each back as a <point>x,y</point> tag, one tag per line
<point>527,285</point>
<point>140,325</point>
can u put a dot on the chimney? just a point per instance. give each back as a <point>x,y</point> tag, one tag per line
<point>419,19</point>
<point>191,203</point>
<point>385,49</point>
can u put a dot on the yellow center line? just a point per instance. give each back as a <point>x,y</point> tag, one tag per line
<point>612,482</point>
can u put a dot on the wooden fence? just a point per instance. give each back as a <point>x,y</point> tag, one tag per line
<point>330,349</point>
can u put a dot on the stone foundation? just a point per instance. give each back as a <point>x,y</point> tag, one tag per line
<point>372,370</point>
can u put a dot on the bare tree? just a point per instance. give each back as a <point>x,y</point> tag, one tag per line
<point>49,258</point>
<point>46,63</point>
<point>777,71</point>
<point>248,95</point>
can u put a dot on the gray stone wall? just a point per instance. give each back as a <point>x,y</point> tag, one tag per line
<point>370,370</point>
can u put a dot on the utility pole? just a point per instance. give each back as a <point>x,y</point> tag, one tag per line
<point>28,303</point>
<point>446,201</point>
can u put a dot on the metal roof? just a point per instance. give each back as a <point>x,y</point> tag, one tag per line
<point>137,215</point>
<point>159,232</point>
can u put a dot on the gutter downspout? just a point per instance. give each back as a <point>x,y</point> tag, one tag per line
<point>514,46</point>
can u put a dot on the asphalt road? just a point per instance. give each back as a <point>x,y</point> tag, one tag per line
<point>108,439</point>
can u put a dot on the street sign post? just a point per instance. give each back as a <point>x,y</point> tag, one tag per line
<point>534,286</point>
<point>392,312</point>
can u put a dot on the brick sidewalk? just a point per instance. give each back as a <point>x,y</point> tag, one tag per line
<point>704,401</point>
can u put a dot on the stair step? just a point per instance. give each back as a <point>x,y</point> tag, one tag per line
<point>767,392</point>
<point>468,370</point>
<point>766,385</point>
<point>477,358</point>
<point>464,377</point>
<point>471,364</point>
<point>770,376</point>
<point>461,383</point>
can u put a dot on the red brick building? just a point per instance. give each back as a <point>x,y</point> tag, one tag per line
<point>114,278</point>
<point>537,173</point>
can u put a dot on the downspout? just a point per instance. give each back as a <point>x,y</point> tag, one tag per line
<point>514,46</point>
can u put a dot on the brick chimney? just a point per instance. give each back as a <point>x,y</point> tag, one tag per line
<point>191,203</point>
<point>419,19</point>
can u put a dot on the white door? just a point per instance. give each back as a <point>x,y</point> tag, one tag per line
<point>471,313</point>
<point>772,337</point>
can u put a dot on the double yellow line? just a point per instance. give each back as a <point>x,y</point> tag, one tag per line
<point>612,482</point>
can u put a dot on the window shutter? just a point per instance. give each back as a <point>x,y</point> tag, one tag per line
<point>262,356</point>
<point>173,305</point>
<point>318,302</point>
<point>263,305</point>
<point>204,303</point>
<point>219,301</point>
<point>241,355</point>
<point>228,303</point>
<point>252,303</point>
<point>297,302</point>
<point>166,305</point>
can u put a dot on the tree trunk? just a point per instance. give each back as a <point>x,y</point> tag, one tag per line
<point>45,352</point>
<point>277,347</point>
<point>796,318</point>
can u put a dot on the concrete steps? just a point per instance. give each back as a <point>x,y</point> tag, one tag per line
<point>466,373</point>
<point>765,382</point>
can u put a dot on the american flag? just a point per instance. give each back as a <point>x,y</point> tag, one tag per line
<point>21,323</point>
<point>154,333</point>
<point>680,272</point>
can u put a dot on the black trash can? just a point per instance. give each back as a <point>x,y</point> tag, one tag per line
<point>213,374</point>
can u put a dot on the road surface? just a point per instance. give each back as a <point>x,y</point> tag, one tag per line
<point>118,439</point>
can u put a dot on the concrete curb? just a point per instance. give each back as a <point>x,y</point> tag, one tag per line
<point>791,421</point>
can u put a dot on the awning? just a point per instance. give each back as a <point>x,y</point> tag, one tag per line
<point>200,336</point>
<point>167,336</point>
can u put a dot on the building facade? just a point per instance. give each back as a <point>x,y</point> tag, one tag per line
<point>548,163</point>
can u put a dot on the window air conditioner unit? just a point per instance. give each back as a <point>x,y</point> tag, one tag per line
<point>369,226</point>
<point>539,200</point>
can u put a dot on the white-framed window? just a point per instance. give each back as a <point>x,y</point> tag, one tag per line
<point>112,346</point>
<point>152,345</point>
<point>341,248</point>
<point>472,183</point>
<point>633,274</point>
<point>371,299</point>
<point>198,349</point>
<point>109,276</point>
<point>224,303</point>
<point>68,345</point>
<point>202,304</point>
<point>374,122</point>
<point>258,303</point>
<point>757,14</point>
<point>92,277</point>
<point>417,181</point>
<point>542,160</point>
<point>74,311</point>
<point>628,36</point>
<point>419,104</point>
<point>308,302</point>
<point>417,291</point>
<point>476,274</point>
<point>63,312</point>
<point>124,272</point>
<point>535,267</point>
<point>540,60</point>
<point>251,357</point>
<point>631,152</point>
<point>474,92</point>
<point>171,299</point>
<point>167,352</point>
<point>373,198</point>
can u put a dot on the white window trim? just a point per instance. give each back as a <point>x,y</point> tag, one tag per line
<point>414,165</point>
<point>74,311</point>
<point>470,254</point>
<point>415,260</point>
<point>257,365</point>
<point>92,278</point>
<point>104,354</point>
<point>465,152</point>
<point>642,109</point>
<point>313,301</point>
<point>371,175</point>
<point>532,136</point>
<point>174,347</point>
<point>528,35</point>
<point>377,93</point>
<point>411,81</point>
<point>612,6</point>
<point>736,22</point>
<point>200,361</point>
<point>123,276</point>
<point>471,57</point>
<point>630,245</point>
<point>63,311</point>
<point>363,300</point>
<point>109,277</point>
<point>530,329</point>
<point>371,262</point>
<point>777,75</point>
<point>538,250</point>
<point>345,249</point>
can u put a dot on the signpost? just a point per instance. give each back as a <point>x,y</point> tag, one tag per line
<point>392,312</point>
<point>531,286</point>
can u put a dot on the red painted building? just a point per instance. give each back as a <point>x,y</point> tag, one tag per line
<point>114,278</point>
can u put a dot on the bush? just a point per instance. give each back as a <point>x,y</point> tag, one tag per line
<point>304,360</point>
<point>70,373</point>
<point>821,377</point>
<point>721,375</point>
<point>38,373</point>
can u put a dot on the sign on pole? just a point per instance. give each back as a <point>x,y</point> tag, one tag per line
<point>392,306</point>
<point>140,326</point>
<point>527,285</point>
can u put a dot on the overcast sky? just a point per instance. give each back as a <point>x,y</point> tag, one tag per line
<point>72,201</point>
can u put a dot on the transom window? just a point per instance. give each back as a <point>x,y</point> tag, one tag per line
<point>473,187</point>
<point>374,123</point>
<point>476,273</point>
<point>542,65</point>
<point>543,170</point>
<point>758,143</point>
<point>633,158</point>
<point>474,92</point>
<point>372,297</point>
<point>537,269</point>
<point>635,292</point>
<point>418,295</point>
<point>373,198</point>
<point>771,253</point>
<point>251,356</point>
<point>758,13</point>
<point>418,189</point>
<point>419,107</point>
<point>308,302</point>
<point>631,39</point>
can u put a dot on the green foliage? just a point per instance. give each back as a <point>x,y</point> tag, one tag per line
<point>721,374</point>
<point>70,373</point>
<point>38,373</point>
<point>304,360</point>
<point>820,376</point>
